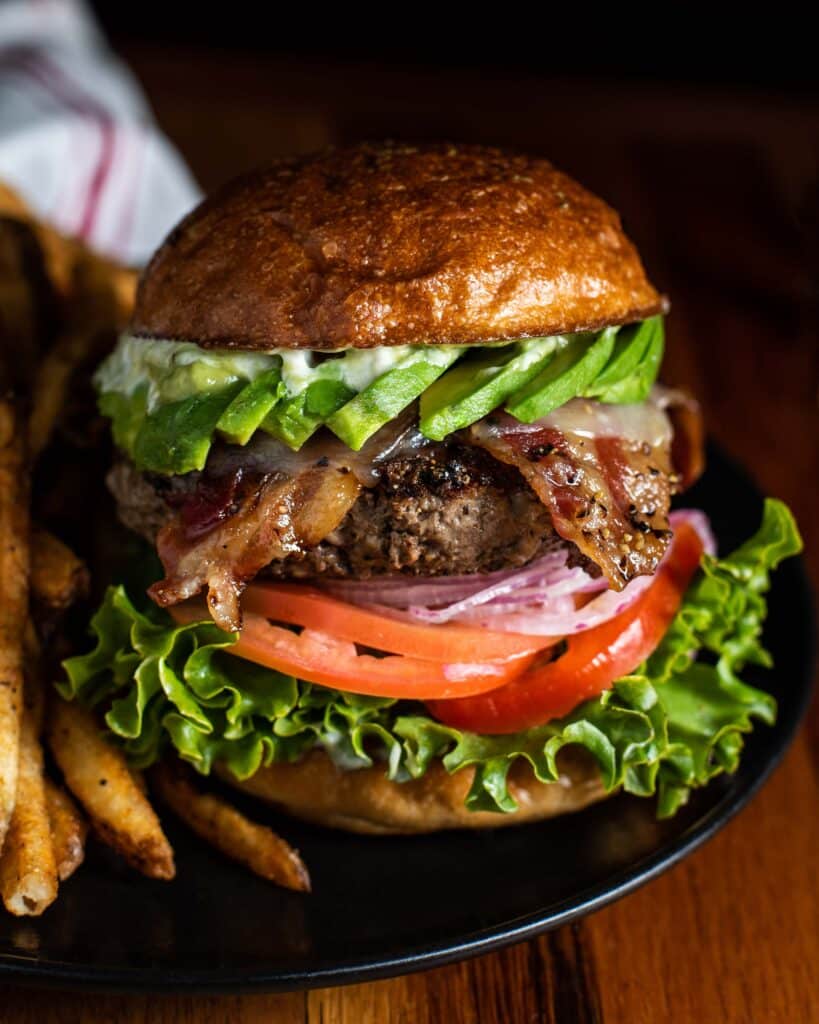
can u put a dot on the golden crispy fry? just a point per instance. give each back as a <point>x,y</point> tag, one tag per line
<point>68,830</point>
<point>52,381</point>
<point>11,205</point>
<point>33,690</point>
<point>28,869</point>
<point>66,258</point>
<point>101,303</point>
<point>14,564</point>
<point>58,577</point>
<point>98,776</point>
<point>96,299</point>
<point>59,254</point>
<point>28,304</point>
<point>224,827</point>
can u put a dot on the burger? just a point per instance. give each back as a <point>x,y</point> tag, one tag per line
<point>389,417</point>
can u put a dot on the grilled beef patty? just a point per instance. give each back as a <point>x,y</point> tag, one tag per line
<point>452,511</point>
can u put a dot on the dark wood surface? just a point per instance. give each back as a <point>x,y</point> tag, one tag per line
<point>720,192</point>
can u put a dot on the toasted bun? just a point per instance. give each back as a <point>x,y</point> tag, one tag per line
<point>394,245</point>
<point>366,801</point>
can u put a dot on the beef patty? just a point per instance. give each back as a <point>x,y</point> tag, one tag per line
<point>454,510</point>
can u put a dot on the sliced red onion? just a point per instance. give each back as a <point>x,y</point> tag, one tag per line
<point>408,591</point>
<point>538,600</point>
<point>547,617</point>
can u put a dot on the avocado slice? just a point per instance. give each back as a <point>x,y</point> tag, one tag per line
<point>245,413</point>
<point>629,346</point>
<point>298,417</point>
<point>390,393</point>
<point>126,413</point>
<point>176,438</point>
<point>565,376</point>
<point>480,383</point>
<point>636,351</point>
<point>634,385</point>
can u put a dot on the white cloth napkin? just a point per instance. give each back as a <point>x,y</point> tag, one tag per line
<point>77,139</point>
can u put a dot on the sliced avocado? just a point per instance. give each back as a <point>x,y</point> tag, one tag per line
<point>242,417</point>
<point>176,438</point>
<point>296,418</point>
<point>565,376</point>
<point>126,412</point>
<point>629,346</point>
<point>632,347</point>
<point>480,383</point>
<point>636,386</point>
<point>390,393</point>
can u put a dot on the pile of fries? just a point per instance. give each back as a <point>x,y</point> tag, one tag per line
<point>60,307</point>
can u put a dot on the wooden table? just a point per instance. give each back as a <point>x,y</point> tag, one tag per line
<point>715,189</point>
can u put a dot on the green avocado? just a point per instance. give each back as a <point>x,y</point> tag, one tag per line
<point>629,346</point>
<point>480,383</point>
<point>253,403</point>
<point>299,416</point>
<point>391,393</point>
<point>127,413</point>
<point>176,438</point>
<point>564,377</point>
<point>631,378</point>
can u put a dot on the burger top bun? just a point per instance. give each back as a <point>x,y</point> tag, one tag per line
<point>394,245</point>
<point>366,801</point>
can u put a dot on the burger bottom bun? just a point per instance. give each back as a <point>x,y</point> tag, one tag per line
<point>367,801</point>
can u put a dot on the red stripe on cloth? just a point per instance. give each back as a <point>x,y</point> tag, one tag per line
<point>99,179</point>
<point>134,146</point>
<point>53,79</point>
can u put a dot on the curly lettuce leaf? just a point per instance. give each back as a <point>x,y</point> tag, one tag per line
<point>671,726</point>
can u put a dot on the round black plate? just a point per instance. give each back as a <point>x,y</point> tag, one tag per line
<point>385,906</point>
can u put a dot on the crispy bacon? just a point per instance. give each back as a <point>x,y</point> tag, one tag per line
<point>607,495</point>
<point>604,473</point>
<point>227,533</point>
<point>263,503</point>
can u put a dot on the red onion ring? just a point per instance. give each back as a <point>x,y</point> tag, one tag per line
<point>537,600</point>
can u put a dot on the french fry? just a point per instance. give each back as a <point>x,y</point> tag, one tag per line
<point>96,297</point>
<point>68,830</point>
<point>28,869</point>
<point>58,577</point>
<point>59,253</point>
<point>14,565</point>
<point>63,256</point>
<point>221,825</point>
<point>52,381</point>
<point>98,776</point>
<point>11,205</point>
<point>28,304</point>
<point>33,691</point>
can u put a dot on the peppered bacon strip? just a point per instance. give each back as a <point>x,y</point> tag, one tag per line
<point>607,495</point>
<point>249,523</point>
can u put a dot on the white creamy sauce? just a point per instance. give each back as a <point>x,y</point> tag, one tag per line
<point>173,370</point>
<point>359,367</point>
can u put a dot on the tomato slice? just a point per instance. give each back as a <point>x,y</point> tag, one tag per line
<point>319,658</point>
<point>592,661</point>
<point>306,606</point>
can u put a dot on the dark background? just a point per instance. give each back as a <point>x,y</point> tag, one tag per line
<point>772,48</point>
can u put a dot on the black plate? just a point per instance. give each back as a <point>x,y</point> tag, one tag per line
<point>385,906</point>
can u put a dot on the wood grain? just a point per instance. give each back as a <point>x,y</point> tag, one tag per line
<point>715,189</point>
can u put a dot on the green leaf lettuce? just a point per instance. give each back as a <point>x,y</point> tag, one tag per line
<point>673,725</point>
